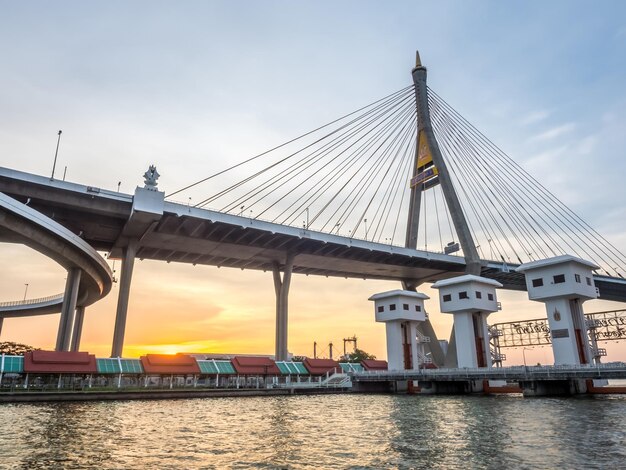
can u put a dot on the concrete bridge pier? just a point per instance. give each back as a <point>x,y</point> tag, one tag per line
<point>402,312</point>
<point>281,287</point>
<point>470,299</point>
<point>563,283</point>
<point>78,328</point>
<point>128,263</point>
<point>67,310</point>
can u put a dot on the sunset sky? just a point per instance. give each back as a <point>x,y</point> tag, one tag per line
<point>195,86</point>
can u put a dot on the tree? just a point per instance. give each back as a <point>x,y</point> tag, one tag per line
<point>357,356</point>
<point>15,349</point>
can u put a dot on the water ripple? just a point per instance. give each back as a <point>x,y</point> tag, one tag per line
<point>322,431</point>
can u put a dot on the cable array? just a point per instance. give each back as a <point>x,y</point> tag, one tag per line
<point>509,212</point>
<point>348,177</point>
<point>351,177</point>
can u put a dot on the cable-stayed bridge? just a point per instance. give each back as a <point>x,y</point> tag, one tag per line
<point>402,189</point>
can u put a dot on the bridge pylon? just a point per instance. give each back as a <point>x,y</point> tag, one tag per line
<point>429,170</point>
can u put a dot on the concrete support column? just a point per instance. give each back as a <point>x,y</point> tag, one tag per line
<point>395,352</point>
<point>465,340</point>
<point>451,361</point>
<point>1,322</point>
<point>484,333</point>
<point>128,262</point>
<point>412,326</point>
<point>78,328</point>
<point>67,310</point>
<point>281,286</point>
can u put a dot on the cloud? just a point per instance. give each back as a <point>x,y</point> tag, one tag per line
<point>535,164</point>
<point>535,116</point>
<point>587,145</point>
<point>554,132</point>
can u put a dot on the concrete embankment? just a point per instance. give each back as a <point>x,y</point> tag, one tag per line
<point>100,395</point>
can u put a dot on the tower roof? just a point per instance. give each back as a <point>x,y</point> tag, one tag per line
<point>542,263</point>
<point>396,292</point>
<point>463,279</point>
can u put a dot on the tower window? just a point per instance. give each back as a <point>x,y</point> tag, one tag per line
<point>381,308</point>
<point>588,281</point>
<point>392,307</point>
<point>559,278</point>
<point>463,295</point>
<point>479,295</point>
<point>418,308</point>
<point>447,298</point>
<point>405,306</point>
<point>577,278</point>
<point>490,296</point>
<point>538,282</point>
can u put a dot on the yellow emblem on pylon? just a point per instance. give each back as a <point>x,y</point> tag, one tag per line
<point>425,170</point>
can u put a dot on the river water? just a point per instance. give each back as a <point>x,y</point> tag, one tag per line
<point>319,431</point>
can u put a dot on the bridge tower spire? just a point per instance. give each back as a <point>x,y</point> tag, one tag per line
<point>427,151</point>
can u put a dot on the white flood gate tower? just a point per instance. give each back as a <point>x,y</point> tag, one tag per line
<point>402,311</point>
<point>563,283</point>
<point>470,299</point>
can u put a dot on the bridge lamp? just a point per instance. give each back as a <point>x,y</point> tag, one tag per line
<point>25,290</point>
<point>524,354</point>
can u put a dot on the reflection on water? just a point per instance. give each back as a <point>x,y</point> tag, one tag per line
<point>324,431</point>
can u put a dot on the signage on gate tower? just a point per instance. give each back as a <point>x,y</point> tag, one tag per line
<point>426,170</point>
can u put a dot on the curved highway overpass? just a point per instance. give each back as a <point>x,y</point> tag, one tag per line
<point>89,276</point>
<point>31,307</point>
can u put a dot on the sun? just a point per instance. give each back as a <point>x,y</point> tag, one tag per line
<point>167,349</point>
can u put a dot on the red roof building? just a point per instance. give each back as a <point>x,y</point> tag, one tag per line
<point>321,366</point>
<point>181,364</point>
<point>374,364</point>
<point>255,365</point>
<point>59,362</point>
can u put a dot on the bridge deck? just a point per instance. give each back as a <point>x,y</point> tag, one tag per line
<point>199,236</point>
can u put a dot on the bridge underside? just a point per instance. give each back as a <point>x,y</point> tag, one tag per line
<point>199,236</point>
<point>188,240</point>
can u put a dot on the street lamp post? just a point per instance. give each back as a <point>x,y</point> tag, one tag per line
<point>55,155</point>
<point>524,355</point>
<point>25,290</point>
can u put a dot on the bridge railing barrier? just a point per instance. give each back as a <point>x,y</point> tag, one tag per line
<point>558,372</point>
<point>41,300</point>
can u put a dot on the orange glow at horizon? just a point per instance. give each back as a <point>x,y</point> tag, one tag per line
<point>177,308</point>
